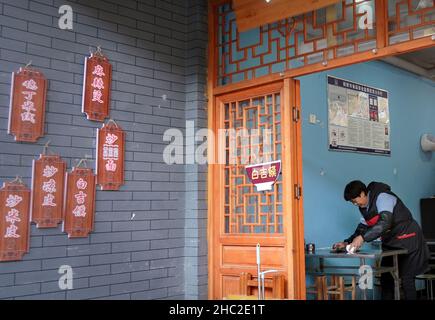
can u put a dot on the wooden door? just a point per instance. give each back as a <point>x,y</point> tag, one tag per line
<point>239,215</point>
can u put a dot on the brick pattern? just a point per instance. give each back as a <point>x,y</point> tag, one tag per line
<point>196,175</point>
<point>149,240</point>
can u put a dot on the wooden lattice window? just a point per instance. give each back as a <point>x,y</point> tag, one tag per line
<point>247,210</point>
<point>410,19</point>
<point>317,36</point>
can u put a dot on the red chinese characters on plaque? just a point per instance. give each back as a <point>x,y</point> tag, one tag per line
<point>47,191</point>
<point>14,220</point>
<point>264,175</point>
<point>110,156</point>
<point>27,105</point>
<point>96,87</point>
<point>79,203</point>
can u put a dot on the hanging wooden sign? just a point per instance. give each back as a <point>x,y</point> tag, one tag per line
<point>96,86</point>
<point>264,175</point>
<point>110,156</point>
<point>47,191</point>
<point>27,105</point>
<point>79,202</point>
<point>14,220</point>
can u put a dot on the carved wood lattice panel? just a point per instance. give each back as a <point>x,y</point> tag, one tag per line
<point>247,210</point>
<point>335,31</point>
<point>410,19</point>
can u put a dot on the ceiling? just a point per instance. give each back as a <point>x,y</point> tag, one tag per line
<point>421,62</point>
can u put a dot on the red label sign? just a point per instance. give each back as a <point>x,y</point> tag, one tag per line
<point>264,175</point>
<point>79,202</point>
<point>110,156</point>
<point>96,87</point>
<point>27,105</point>
<point>14,221</point>
<point>47,191</point>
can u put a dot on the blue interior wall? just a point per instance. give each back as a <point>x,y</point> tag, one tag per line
<point>409,171</point>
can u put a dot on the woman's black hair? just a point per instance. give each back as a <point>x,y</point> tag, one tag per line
<point>353,190</point>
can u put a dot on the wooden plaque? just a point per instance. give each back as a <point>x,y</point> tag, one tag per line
<point>47,191</point>
<point>96,87</point>
<point>110,156</point>
<point>14,221</point>
<point>79,203</point>
<point>27,105</point>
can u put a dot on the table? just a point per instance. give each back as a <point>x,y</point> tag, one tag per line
<point>363,255</point>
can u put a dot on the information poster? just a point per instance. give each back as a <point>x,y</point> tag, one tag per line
<point>358,117</point>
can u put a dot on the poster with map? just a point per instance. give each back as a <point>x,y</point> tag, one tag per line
<point>358,117</point>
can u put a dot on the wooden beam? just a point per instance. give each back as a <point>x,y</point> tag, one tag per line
<point>252,240</point>
<point>254,13</point>
<point>381,9</point>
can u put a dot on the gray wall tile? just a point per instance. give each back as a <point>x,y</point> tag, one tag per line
<point>139,238</point>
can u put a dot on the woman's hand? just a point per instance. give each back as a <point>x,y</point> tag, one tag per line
<point>357,243</point>
<point>339,245</point>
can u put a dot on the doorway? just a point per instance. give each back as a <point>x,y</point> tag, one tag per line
<point>240,217</point>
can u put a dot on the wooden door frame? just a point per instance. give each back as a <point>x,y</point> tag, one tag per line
<point>293,133</point>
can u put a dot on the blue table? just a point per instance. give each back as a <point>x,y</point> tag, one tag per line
<point>363,256</point>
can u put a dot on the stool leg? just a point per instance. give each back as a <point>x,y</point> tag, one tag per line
<point>325,288</point>
<point>340,287</point>
<point>431,289</point>
<point>319,287</point>
<point>334,285</point>
<point>353,292</point>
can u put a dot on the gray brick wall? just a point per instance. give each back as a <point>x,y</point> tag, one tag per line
<point>195,221</point>
<point>149,240</point>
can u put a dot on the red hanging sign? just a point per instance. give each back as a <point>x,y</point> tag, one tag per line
<point>110,156</point>
<point>14,220</point>
<point>27,105</point>
<point>264,175</point>
<point>96,87</point>
<point>79,203</point>
<point>47,191</point>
